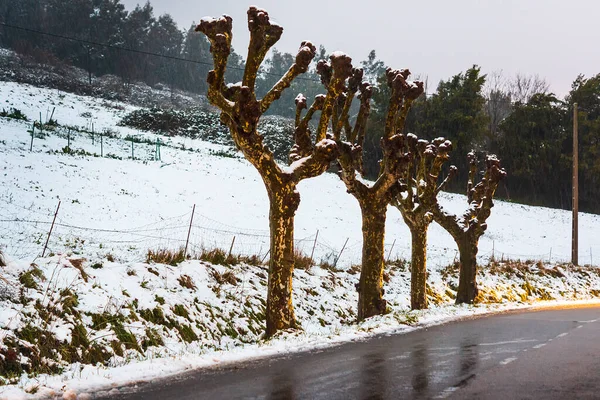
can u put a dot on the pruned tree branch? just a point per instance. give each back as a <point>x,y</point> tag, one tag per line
<point>451,174</point>
<point>303,146</point>
<point>303,59</point>
<point>353,86</point>
<point>333,76</point>
<point>317,163</point>
<point>263,35</point>
<point>219,33</point>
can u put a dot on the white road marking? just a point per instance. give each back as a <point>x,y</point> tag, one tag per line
<point>508,342</point>
<point>562,334</point>
<point>446,392</point>
<point>539,346</point>
<point>508,360</point>
<point>579,326</point>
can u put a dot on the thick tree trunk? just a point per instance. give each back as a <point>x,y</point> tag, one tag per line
<point>280,310</point>
<point>467,283</point>
<point>370,290</point>
<point>418,266</point>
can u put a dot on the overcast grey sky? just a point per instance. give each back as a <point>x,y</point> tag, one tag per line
<point>556,39</point>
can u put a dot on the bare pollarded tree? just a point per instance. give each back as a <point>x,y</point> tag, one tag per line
<point>498,101</point>
<point>471,225</point>
<point>241,111</point>
<point>416,199</point>
<point>373,198</point>
<point>522,87</point>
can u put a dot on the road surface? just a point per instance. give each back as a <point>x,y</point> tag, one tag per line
<point>550,354</point>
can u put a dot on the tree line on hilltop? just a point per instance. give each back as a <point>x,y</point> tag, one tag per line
<point>517,117</point>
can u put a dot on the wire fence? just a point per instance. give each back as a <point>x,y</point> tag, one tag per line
<point>24,227</point>
<point>24,230</point>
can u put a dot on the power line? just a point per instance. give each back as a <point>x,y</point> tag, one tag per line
<point>120,48</point>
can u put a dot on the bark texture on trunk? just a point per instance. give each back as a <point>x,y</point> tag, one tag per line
<point>373,199</point>
<point>467,282</point>
<point>418,267</point>
<point>280,310</point>
<point>370,290</point>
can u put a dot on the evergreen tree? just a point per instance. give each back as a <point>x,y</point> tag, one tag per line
<point>107,26</point>
<point>196,48</point>
<point>71,19</point>
<point>534,147</point>
<point>373,68</point>
<point>456,112</point>
<point>276,66</point>
<point>22,13</point>
<point>586,93</point>
<point>137,28</point>
<point>165,38</point>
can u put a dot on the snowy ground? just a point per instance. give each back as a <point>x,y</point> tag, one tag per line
<point>114,208</point>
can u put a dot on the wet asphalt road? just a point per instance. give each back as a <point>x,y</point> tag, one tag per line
<point>550,354</point>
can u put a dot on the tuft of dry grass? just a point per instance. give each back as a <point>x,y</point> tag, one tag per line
<point>165,256</point>
<point>222,278</point>
<point>187,282</point>
<point>399,264</point>
<point>451,270</point>
<point>487,296</point>
<point>216,257</point>
<point>220,257</point>
<point>250,260</point>
<point>329,267</point>
<point>522,268</point>
<point>354,269</point>
<point>77,263</point>
<point>434,297</point>
<point>301,260</point>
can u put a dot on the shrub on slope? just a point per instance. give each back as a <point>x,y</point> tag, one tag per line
<point>199,123</point>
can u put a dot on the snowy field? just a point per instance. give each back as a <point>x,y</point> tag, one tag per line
<point>128,195</point>
<point>115,208</point>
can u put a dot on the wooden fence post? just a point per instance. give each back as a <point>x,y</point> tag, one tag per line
<point>50,232</point>
<point>32,135</point>
<point>231,247</point>
<point>189,231</point>
<point>312,253</point>
<point>341,251</point>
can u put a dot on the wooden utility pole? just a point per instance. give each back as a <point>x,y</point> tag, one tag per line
<point>575,242</point>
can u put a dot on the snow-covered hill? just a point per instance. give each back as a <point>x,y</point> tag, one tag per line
<point>115,207</point>
<point>124,195</point>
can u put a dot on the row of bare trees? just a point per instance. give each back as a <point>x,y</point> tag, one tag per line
<point>409,171</point>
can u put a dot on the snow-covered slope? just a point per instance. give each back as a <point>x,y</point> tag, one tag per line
<point>127,194</point>
<point>115,207</point>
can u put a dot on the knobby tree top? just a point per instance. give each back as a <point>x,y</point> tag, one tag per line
<point>395,151</point>
<point>241,110</point>
<point>480,198</point>
<point>417,189</point>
